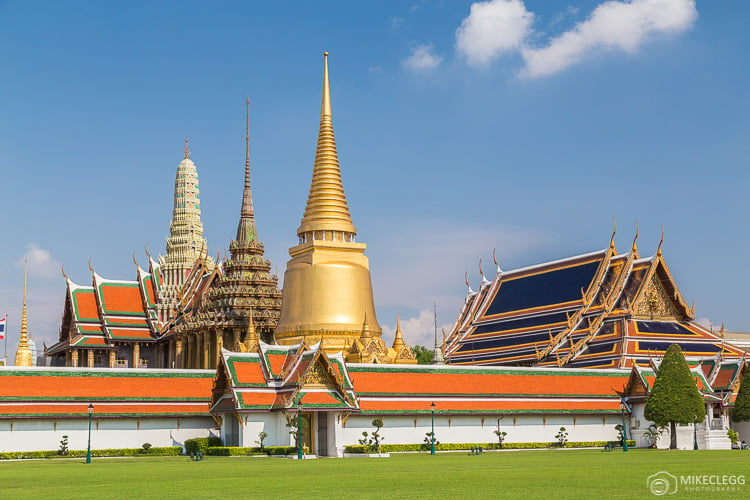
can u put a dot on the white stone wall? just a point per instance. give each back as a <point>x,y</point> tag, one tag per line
<point>45,434</point>
<point>478,429</point>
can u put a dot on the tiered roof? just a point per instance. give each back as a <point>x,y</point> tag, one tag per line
<point>601,309</point>
<point>109,311</point>
<point>66,392</point>
<point>282,378</point>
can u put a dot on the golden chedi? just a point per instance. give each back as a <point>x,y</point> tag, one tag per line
<point>23,354</point>
<point>327,294</point>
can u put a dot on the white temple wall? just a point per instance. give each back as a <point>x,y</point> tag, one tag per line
<point>46,434</point>
<point>478,429</point>
<point>272,423</point>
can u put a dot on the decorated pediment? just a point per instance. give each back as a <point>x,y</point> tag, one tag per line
<point>655,303</point>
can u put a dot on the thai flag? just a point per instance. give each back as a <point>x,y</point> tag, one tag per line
<point>2,327</point>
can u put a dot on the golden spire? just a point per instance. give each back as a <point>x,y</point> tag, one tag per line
<point>252,340</point>
<point>398,341</point>
<point>187,149</point>
<point>246,230</point>
<point>326,208</point>
<point>23,354</point>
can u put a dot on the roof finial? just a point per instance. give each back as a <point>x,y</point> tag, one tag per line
<point>145,247</point>
<point>187,149</point>
<point>90,268</point>
<point>658,249</point>
<point>637,232</point>
<point>325,105</point>
<point>494,259</point>
<point>63,272</point>
<point>614,232</point>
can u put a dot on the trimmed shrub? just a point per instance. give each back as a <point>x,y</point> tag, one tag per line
<point>389,448</point>
<point>280,450</point>
<point>115,452</point>
<point>234,451</point>
<point>202,445</point>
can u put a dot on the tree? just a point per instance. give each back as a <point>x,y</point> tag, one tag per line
<point>675,397</point>
<point>562,437</point>
<point>500,437</point>
<point>424,356</point>
<point>741,410</point>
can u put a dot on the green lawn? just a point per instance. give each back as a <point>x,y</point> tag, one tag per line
<point>518,474</point>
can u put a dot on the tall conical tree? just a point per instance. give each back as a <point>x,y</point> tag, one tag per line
<point>741,410</point>
<point>675,397</point>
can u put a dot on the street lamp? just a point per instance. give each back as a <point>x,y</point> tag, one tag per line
<point>88,451</point>
<point>624,429</point>
<point>299,430</point>
<point>432,435</point>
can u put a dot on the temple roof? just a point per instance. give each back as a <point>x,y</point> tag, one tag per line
<point>67,392</point>
<point>282,378</point>
<point>600,309</point>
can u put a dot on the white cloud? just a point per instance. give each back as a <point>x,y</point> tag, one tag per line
<point>493,28</point>
<point>396,22</point>
<point>41,264</point>
<point>419,330</point>
<point>613,25</point>
<point>562,16</point>
<point>422,59</point>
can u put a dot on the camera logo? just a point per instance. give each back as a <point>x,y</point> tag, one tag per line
<point>662,483</point>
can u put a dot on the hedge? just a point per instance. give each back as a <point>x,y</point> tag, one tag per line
<point>281,450</point>
<point>115,452</point>
<point>234,451</point>
<point>202,445</point>
<point>388,448</point>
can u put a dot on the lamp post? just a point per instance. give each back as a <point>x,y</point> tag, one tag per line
<point>88,451</point>
<point>299,430</point>
<point>624,429</point>
<point>432,434</point>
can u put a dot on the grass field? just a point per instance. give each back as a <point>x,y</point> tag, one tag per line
<point>514,474</point>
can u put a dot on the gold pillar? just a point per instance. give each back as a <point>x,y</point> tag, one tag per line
<point>219,346</point>
<point>178,353</point>
<point>74,358</point>
<point>90,358</point>
<point>136,354</point>
<point>112,359</point>
<point>206,349</point>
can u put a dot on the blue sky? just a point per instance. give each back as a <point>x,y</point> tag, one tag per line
<point>461,127</point>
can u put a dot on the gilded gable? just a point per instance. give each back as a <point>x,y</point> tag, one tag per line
<point>655,303</point>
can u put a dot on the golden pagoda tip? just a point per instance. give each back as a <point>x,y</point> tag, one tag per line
<point>325,54</point>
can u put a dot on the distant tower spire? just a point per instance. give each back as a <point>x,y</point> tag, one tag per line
<point>23,354</point>
<point>438,358</point>
<point>246,228</point>
<point>187,149</point>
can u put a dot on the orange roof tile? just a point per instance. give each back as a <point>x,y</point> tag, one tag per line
<point>121,298</point>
